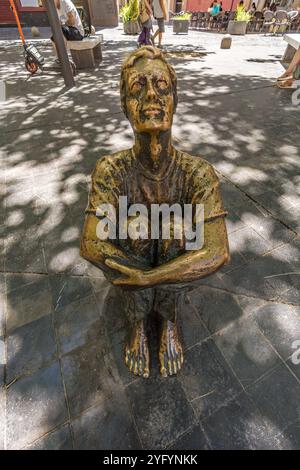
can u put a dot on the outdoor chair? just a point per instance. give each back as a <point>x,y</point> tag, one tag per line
<point>256,22</point>
<point>281,22</point>
<point>200,17</point>
<point>294,18</point>
<point>269,20</point>
<point>194,20</point>
<point>206,20</point>
<point>223,22</point>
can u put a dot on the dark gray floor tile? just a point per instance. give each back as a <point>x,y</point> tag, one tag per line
<point>2,360</point>
<point>246,350</point>
<point>248,243</point>
<point>35,405</point>
<point>28,303</point>
<point>30,347</point>
<point>24,252</point>
<point>78,324</point>
<point>240,426</point>
<point>280,323</point>
<point>90,374</point>
<point>264,278</point>
<point>16,280</point>
<point>2,417</point>
<point>274,232</point>
<point>277,397</point>
<point>106,426</point>
<point>161,410</point>
<point>66,289</point>
<point>56,440</point>
<point>291,296</point>
<point>207,379</point>
<point>192,440</point>
<point>191,327</point>
<point>215,307</point>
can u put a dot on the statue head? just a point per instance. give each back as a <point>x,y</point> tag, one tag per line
<point>148,90</point>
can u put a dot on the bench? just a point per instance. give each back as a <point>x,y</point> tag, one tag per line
<point>293,45</point>
<point>86,53</point>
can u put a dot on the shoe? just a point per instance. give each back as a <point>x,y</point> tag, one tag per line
<point>284,78</point>
<point>289,83</point>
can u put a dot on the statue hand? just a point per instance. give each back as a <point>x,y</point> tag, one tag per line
<point>134,276</point>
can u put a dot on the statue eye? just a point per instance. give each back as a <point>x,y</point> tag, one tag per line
<point>162,84</point>
<point>138,85</point>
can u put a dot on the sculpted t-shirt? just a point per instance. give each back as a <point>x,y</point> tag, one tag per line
<point>188,180</point>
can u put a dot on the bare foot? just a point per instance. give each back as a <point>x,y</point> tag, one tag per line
<point>285,75</point>
<point>170,349</point>
<point>137,351</point>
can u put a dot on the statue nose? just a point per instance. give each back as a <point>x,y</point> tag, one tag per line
<point>150,91</point>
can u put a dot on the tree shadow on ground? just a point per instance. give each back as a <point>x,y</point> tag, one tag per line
<point>60,305</point>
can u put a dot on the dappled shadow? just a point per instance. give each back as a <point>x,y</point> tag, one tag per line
<point>52,138</point>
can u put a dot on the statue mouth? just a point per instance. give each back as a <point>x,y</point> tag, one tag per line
<point>151,112</point>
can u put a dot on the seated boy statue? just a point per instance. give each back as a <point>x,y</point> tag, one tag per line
<point>153,271</point>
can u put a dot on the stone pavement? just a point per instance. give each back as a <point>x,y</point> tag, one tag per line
<point>63,382</point>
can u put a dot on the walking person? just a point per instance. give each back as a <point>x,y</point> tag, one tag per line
<point>146,22</point>
<point>160,14</point>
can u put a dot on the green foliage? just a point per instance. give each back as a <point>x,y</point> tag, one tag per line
<point>242,14</point>
<point>182,16</point>
<point>130,11</point>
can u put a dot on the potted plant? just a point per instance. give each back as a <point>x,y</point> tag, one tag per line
<point>181,22</point>
<point>129,14</point>
<point>239,24</point>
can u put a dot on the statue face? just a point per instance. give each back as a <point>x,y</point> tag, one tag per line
<point>149,99</point>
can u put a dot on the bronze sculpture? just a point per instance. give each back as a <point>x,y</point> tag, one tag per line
<point>153,272</point>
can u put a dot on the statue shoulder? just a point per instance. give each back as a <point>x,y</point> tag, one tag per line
<point>114,164</point>
<point>196,165</point>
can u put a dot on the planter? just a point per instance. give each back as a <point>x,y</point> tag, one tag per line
<point>131,27</point>
<point>180,26</point>
<point>237,27</point>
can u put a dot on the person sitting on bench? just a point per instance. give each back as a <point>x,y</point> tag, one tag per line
<point>71,24</point>
<point>286,80</point>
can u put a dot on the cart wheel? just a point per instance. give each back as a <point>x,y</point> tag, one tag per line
<point>31,66</point>
<point>73,67</point>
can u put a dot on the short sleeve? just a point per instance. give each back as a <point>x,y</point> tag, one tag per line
<point>105,188</point>
<point>206,190</point>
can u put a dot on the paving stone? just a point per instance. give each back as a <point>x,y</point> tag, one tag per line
<point>291,296</point>
<point>67,289</point>
<point>2,417</point>
<point>192,440</point>
<point>240,426</point>
<point>207,379</point>
<point>24,252</point>
<point>191,327</point>
<point>56,440</point>
<point>216,308</point>
<point>161,410</point>
<point>78,324</point>
<point>2,313</point>
<point>247,243</point>
<point>274,232</point>
<point>90,375</point>
<point>113,417</point>
<point>28,303</point>
<point>233,222</point>
<point>246,350</point>
<point>17,280</point>
<point>280,323</point>
<point>2,360</point>
<point>35,405</point>
<point>277,397</point>
<point>30,347</point>
<point>264,278</point>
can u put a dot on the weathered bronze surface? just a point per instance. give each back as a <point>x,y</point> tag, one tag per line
<point>154,273</point>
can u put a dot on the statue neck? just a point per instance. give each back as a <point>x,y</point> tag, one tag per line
<point>154,151</point>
